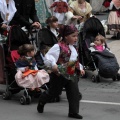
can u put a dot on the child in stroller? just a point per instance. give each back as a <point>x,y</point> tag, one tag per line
<point>28,75</point>
<point>101,60</point>
<point>104,61</point>
<point>98,44</point>
<point>16,39</point>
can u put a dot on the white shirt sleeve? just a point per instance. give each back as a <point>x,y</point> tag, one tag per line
<point>52,56</point>
<point>111,5</point>
<point>81,66</point>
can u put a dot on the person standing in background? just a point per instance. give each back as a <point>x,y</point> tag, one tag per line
<point>79,11</point>
<point>42,10</point>
<point>26,8</point>
<point>114,18</point>
<point>49,2</point>
<point>96,5</point>
<point>61,7</point>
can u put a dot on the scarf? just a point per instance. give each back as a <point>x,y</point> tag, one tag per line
<point>78,11</point>
<point>7,13</point>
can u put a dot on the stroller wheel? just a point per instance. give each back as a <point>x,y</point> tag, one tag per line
<point>114,78</point>
<point>23,100</point>
<point>93,78</point>
<point>118,76</point>
<point>7,95</point>
<point>28,100</point>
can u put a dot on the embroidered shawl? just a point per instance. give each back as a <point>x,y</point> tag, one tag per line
<point>78,11</point>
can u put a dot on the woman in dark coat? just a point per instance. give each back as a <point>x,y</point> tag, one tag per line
<point>26,8</point>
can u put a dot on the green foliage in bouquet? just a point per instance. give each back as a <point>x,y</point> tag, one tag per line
<point>67,70</point>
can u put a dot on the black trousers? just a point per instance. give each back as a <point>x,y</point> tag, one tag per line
<point>56,85</point>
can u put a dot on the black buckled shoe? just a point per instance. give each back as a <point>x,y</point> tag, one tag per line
<point>75,115</point>
<point>40,107</point>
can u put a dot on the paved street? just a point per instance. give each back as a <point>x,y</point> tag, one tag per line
<point>101,101</point>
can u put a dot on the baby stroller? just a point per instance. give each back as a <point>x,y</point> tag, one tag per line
<point>45,40</point>
<point>104,62</point>
<point>16,38</point>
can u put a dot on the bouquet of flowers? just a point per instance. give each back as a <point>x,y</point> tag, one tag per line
<point>68,70</point>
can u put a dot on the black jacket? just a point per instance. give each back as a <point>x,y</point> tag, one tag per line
<point>25,11</point>
<point>16,20</point>
<point>26,8</point>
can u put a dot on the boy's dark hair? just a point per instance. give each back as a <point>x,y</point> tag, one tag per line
<point>23,49</point>
<point>66,30</point>
<point>51,19</point>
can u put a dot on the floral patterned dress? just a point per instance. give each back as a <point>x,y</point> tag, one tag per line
<point>42,11</point>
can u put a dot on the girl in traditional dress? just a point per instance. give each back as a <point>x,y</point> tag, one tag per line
<point>114,18</point>
<point>61,8</point>
<point>63,53</point>
<point>28,75</point>
<point>80,10</point>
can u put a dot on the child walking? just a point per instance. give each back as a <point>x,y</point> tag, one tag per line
<point>63,53</point>
<point>28,75</point>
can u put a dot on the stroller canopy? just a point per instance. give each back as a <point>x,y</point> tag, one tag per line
<point>92,27</point>
<point>46,37</point>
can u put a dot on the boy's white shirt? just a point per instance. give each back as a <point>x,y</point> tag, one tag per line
<point>52,56</point>
<point>54,31</point>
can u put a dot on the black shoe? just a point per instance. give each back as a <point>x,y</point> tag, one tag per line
<point>40,107</point>
<point>113,37</point>
<point>80,96</point>
<point>75,115</point>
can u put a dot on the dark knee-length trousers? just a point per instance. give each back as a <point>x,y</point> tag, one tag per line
<point>56,85</point>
